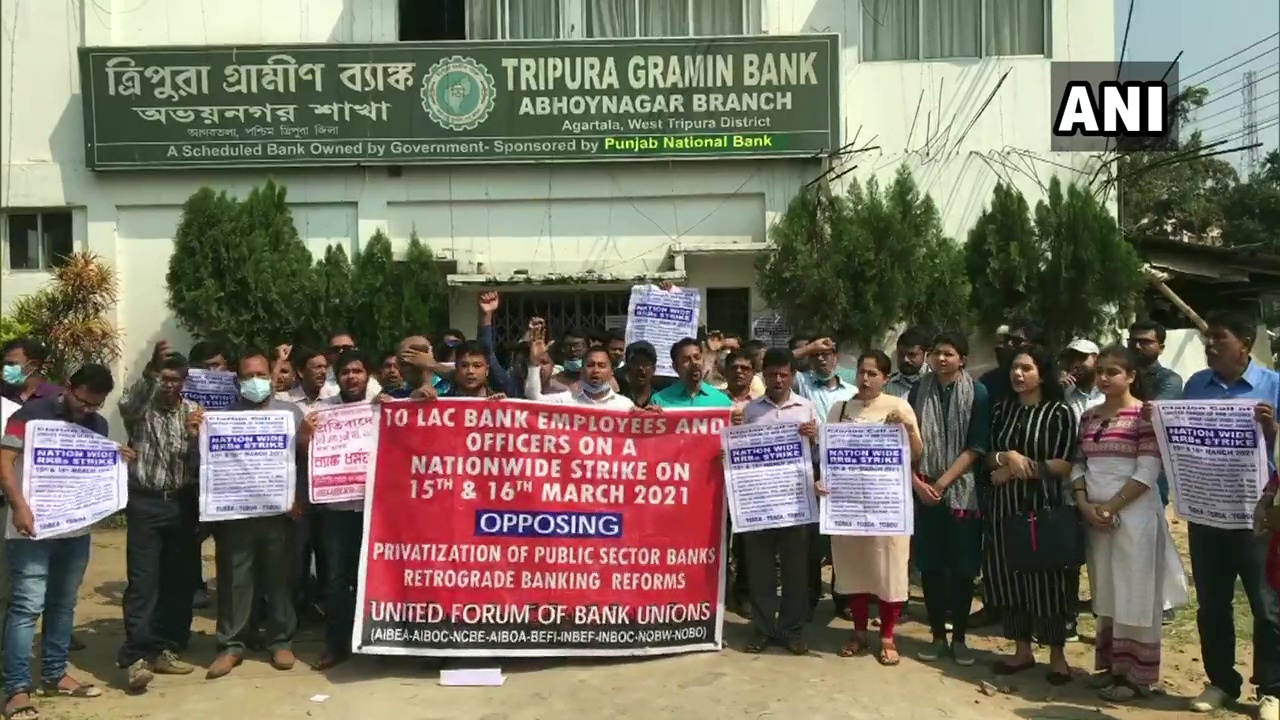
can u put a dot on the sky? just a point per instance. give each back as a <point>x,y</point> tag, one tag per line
<point>1207,31</point>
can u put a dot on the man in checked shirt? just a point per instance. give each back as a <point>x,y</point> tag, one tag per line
<point>163,517</point>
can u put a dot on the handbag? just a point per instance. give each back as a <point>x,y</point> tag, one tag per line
<point>1044,540</point>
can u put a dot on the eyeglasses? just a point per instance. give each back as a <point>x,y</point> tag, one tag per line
<point>88,406</point>
<point>340,348</point>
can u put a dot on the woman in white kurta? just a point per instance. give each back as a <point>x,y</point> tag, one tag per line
<point>873,567</point>
<point>1134,570</point>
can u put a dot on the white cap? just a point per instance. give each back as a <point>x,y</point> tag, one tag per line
<point>1002,330</point>
<point>1084,347</point>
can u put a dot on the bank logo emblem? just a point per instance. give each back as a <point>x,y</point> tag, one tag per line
<point>458,93</point>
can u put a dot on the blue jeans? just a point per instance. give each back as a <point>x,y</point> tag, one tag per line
<point>44,576</point>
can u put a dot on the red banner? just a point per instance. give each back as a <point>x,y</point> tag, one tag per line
<point>517,528</point>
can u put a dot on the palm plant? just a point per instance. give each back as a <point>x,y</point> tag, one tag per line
<point>71,315</point>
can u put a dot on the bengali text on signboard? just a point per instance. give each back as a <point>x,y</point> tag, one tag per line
<point>340,104</point>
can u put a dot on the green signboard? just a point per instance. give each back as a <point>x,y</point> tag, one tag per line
<point>179,107</point>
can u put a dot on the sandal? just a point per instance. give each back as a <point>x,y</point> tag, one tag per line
<point>889,656</point>
<point>1122,692</point>
<point>797,647</point>
<point>81,690</point>
<point>856,646</point>
<point>757,645</point>
<point>1058,679</point>
<point>22,712</point>
<point>1004,667</point>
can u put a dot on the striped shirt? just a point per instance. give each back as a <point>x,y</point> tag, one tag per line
<point>168,458</point>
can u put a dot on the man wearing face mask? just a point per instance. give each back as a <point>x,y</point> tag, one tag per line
<point>46,573</point>
<point>255,552</point>
<point>912,350</point>
<point>574,346</point>
<point>23,375</point>
<point>163,516</point>
<point>343,525</point>
<point>594,386</point>
<point>822,386</point>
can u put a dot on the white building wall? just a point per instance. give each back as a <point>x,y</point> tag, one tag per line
<point>573,218</point>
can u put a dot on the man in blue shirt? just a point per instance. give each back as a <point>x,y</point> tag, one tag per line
<point>1146,340</point>
<point>1219,556</point>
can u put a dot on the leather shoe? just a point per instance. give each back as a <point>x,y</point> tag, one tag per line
<point>283,659</point>
<point>222,665</point>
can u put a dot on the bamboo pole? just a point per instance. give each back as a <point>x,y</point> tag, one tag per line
<point>1158,280</point>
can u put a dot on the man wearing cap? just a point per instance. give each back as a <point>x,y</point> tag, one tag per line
<point>640,362</point>
<point>1080,361</point>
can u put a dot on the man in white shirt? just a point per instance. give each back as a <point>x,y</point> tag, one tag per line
<point>594,387</point>
<point>1080,362</point>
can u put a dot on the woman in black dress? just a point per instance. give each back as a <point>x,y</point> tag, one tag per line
<point>1033,434</point>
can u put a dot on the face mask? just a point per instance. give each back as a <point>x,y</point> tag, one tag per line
<point>591,388</point>
<point>824,377</point>
<point>13,375</point>
<point>329,377</point>
<point>573,365</point>
<point>255,389</point>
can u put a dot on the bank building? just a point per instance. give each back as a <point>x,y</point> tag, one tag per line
<point>556,150</point>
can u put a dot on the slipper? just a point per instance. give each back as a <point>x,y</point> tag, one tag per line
<point>757,645</point>
<point>889,656</point>
<point>22,712</point>
<point>81,690</point>
<point>1004,667</point>
<point>856,646</point>
<point>1058,679</point>
<point>1122,692</point>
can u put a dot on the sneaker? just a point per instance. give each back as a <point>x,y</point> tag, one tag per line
<point>140,675</point>
<point>168,664</point>
<point>1268,708</point>
<point>962,654</point>
<point>933,651</point>
<point>1211,699</point>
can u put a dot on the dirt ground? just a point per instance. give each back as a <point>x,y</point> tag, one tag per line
<point>728,684</point>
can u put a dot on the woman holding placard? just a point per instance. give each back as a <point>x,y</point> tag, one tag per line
<point>1134,571</point>
<point>874,567</point>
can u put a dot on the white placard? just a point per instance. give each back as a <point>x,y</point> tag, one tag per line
<point>211,389</point>
<point>71,478</point>
<point>247,464</point>
<point>1215,457</point>
<point>768,476</point>
<point>662,317</point>
<point>7,409</point>
<point>342,449</point>
<point>866,470</point>
<point>771,330</point>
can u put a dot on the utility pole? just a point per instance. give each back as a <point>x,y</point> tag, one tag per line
<point>1249,116</point>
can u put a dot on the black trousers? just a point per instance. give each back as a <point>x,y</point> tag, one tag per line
<point>1218,558</point>
<point>772,553</point>
<point>161,537</point>
<point>344,530</point>
<point>254,557</point>
<point>735,568</point>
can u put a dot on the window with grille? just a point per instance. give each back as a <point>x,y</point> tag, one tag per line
<point>940,29</point>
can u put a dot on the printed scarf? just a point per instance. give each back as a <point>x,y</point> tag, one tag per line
<point>945,434</point>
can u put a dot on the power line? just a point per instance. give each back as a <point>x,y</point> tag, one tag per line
<point>1124,44</point>
<point>1233,68</point>
<point>1237,119</point>
<point>1228,91</point>
<point>1235,54</point>
<point>1237,106</point>
<point>1272,121</point>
